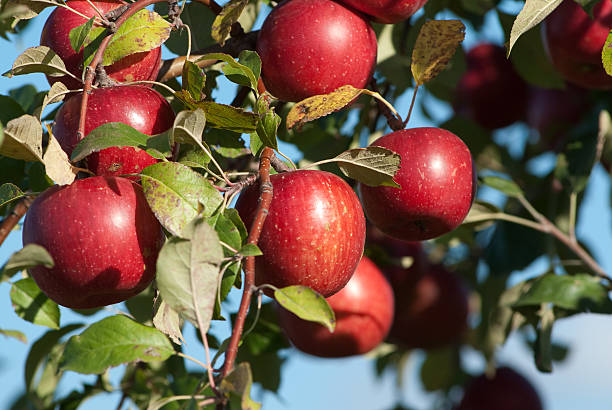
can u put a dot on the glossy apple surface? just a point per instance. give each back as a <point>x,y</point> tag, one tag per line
<point>430,310</point>
<point>490,92</point>
<point>310,47</point>
<point>55,35</point>
<point>102,236</point>
<point>387,11</point>
<point>437,180</point>
<point>574,42</point>
<point>506,390</point>
<point>142,108</point>
<point>313,235</point>
<point>364,311</point>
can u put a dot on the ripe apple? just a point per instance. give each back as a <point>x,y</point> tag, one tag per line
<point>553,112</point>
<point>387,11</point>
<point>311,47</point>
<point>438,185</point>
<point>506,390</point>
<point>102,236</point>
<point>490,92</point>
<point>364,311</point>
<point>314,232</point>
<point>574,42</point>
<point>431,309</point>
<point>55,35</point>
<point>142,108</point>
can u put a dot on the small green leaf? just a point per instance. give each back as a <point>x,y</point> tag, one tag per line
<point>79,34</point>
<point>112,134</point>
<point>504,185</point>
<point>306,304</point>
<point>482,214</point>
<point>56,94</point>
<point>167,320</point>
<point>177,194</point>
<point>31,255</point>
<point>23,139</point>
<point>39,59</point>
<point>222,25</point>
<point>113,341</point>
<point>440,368</point>
<point>235,71</point>
<point>193,80</point>
<point>543,350</point>
<point>575,163</point>
<point>194,15</point>
<point>533,12</point>
<point>34,306</point>
<point>576,293</point>
<point>372,166</point>
<point>250,250</point>
<point>267,128</point>
<point>250,59</point>
<point>15,334</point>
<point>188,127</point>
<point>238,384</point>
<point>9,192</point>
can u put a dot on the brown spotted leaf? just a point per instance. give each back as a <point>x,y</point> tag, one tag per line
<point>319,106</point>
<point>227,17</point>
<point>434,47</point>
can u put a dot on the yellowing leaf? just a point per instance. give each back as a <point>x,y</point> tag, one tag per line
<point>606,54</point>
<point>434,47</point>
<point>222,25</point>
<point>57,165</point>
<point>23,139</point>
<point>533,12</point>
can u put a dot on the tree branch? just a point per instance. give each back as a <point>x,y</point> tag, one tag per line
<point>8,223</point>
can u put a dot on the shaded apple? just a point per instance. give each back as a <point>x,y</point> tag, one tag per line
<point>55,35</point>
<point>314,232</point>
<point>387,11</point>
<point>506,390</point>
<point>102,236</point>
<point>574,42</point>
<point>142,108</point>
<point>490,92</point>
<point>438,185</point>
<point>310,47</point>
<point>431,309</point>
<point>364,311</point>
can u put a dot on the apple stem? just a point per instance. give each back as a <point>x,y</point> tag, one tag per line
<point>265,199</point>
<point>8,223</point>
<point>416,88</point>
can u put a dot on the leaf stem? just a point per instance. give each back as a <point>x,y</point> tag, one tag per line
<point>414,94</point>
<point>572,216</point>
<point>193,359</point>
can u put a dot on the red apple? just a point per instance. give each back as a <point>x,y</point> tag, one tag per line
<point>102,236</point>
<point>490,92</point>
<point>311,47</point>
<point>364,310</point>
<point>55,35</point>
<point>142,108</point>
<point>430,309</point>
<point>506,390</point>
<point>437,180</point>
<point>387,11</point>
<point>574,42</point>
<point>314,232</point>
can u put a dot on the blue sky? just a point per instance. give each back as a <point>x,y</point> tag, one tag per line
<point>581,382</point>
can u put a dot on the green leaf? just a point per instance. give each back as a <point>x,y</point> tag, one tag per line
<point>226,143</point>
<point>167,320</point>
<point>39,59</point>
<point>575,293</point>
<point>112,134</point>
<point>194,15</point>
<point>267,128</point>
<point>34,306</point>
<point>504,185</point>
<point>435,45</point>
<point>306,304</point>
<point>235,71</point>
<point>31,255</point>
<point>15,334</point>
<point>543,350</point>
<point>222,25</point>
<point>440,369</point>
<point>41,349</point>
<point>533,12</point>
<point>372,166</point>
<point>250,59</point>
<point>250,250</point>
<point>575,163</point>
<point>11,109</point>
<point>79,34</point>
<point>8,193</point>
<point>177,194</point>
<point>23,139</point>
<point>188,272</point>
<point>237,385</point>
<point>188,127</point>
<point>56,94</point>
<point>113,341</point>
<point>193,80</point>
<point>482,214</point>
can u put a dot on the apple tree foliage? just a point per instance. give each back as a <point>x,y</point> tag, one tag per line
<point>207,243</point>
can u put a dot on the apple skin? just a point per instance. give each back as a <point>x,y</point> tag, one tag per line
<point>431,309</point>
<point>311,47</point>
<point>142,108</point>
<point>387,11</point>
<point>574,42</point>
<point>102,236</point>
<point>364,311</point>
<point>507,390</point>
<point>438,185</point>
<point>490,92</point>
<point>55,35</point>
<point>313,235</point>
